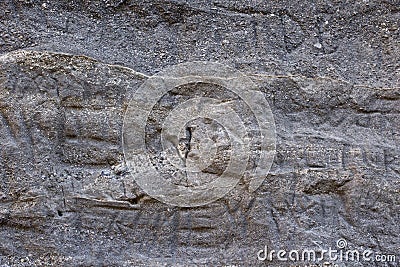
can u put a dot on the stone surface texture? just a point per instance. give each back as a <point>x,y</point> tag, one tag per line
<point>330,71</point>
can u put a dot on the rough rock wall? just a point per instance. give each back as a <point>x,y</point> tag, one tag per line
<point>330,71</point>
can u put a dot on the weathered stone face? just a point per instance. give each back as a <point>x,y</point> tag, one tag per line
<point>329,71</point>
<point>161,157</point>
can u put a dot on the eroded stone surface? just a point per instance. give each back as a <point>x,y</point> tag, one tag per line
<point>66,195</point>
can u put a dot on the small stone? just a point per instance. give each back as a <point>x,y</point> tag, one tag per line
<point>318,45</point>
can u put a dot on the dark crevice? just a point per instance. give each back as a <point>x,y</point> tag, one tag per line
<point>189,140</point>
<point>134,200</point>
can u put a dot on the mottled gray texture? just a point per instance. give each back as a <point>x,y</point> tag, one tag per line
<point>330,71</point>
<point>166,102</point>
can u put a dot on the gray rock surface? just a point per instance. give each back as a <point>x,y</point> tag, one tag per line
<point>330,71</point>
